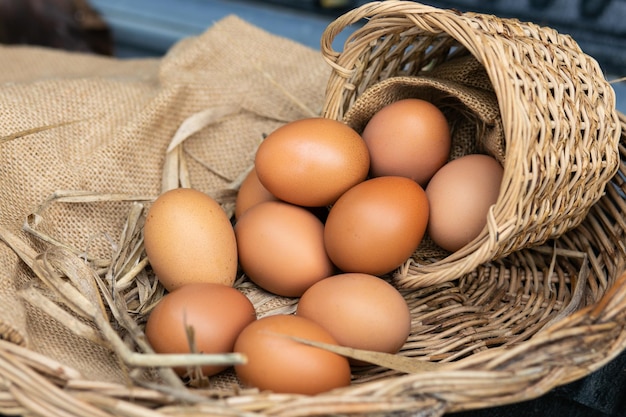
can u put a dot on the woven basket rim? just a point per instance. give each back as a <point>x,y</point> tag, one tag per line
<point>41,385</point>
<point>522,98</point>
<point>584,333</point>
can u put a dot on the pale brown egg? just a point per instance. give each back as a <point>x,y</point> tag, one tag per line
<point>409,138</point>
<point>251,192</point>
<point>188,238</point>
<point>213,314</point>
<point>360,311</point>
<point>460,195</point>
<point>311,162</point>
<point>281,248</point>
<point>280,364</point>
<point>376,225</point>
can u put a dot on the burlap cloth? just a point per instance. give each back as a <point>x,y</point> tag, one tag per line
<point>106,126</point>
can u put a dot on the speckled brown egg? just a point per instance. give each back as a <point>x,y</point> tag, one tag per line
<point>460,195</point>
<point>311,162</point>
<point>251,192</point>
<point>409,138</point>
<point>188,238</point>
<point>281,247</point>
<point>213,314</point>
<point>361,311</point>
<point>282,365</point>
<point>376,225</point>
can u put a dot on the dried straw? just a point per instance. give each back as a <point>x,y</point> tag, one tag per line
<point>508,330</point>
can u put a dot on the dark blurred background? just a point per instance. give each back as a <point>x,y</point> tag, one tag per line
<point>148,28</point>
<point>139,28</point>
<point>64,24</point>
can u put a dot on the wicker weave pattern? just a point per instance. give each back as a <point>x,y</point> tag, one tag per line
<point>508,330</point>
<point>558,115</point>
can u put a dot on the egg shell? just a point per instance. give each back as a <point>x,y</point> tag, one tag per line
<point>280,364</point>
<point>251,192</point>
<point>216,313</point>
<point>281,248</point>
<point>409,138</point>
<point>376,225</point>
<point>460,195</point>
<point>311,162</point>
<point>189,238</point>
<point>361,311</point>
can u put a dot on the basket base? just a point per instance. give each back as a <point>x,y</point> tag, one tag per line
<point>599,394</point>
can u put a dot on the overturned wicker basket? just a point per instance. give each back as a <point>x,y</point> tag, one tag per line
<point>549,312</point>
<point>550,116</point>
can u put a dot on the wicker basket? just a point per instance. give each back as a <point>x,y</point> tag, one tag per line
<point>505,331</point>
<point>557,118</point>
<point>509,331</point>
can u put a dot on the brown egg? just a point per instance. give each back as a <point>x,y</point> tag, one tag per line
<point>409,138</point>
<point>189,238</point>
<point>251,192</point>
<point>376,225</point>
<point>281,248</point>
<point>460,195</point>
<point>361,311</point>
<point>280,364</point>
<point>311,162</point>
<point>215,313</point>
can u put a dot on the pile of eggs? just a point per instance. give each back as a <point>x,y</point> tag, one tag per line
<point>324,215</point>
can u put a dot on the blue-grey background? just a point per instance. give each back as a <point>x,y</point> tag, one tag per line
<point>150,27</point>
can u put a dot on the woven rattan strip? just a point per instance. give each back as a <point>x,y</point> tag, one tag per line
<point>540,318</point>
<point>504,330</point>
<point>560,129</point>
